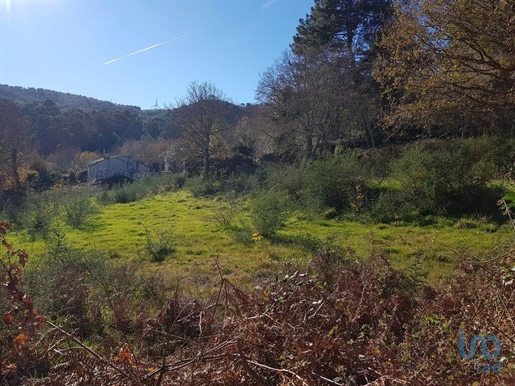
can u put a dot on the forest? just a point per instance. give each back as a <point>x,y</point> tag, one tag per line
<point>353,227</point>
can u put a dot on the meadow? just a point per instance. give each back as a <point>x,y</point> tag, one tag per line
<point>192,233</point>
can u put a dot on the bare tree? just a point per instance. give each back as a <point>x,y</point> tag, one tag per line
<point>315,101</point>
<point>201,116</point>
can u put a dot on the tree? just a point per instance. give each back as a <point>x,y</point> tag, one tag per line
<point>201,117</point>
<point>14,140</point>
<point>346,25</point>
<point>330,92</point>
<point>147,150</point>
<point>450,64</point>
<point>314,101</point>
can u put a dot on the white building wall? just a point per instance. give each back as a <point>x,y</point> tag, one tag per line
<point>109,167</point>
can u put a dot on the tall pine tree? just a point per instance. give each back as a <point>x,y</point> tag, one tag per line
<point>349,25</point>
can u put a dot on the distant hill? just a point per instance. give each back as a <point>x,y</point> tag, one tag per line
<point>64,101</point>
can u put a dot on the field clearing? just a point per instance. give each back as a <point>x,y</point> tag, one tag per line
<point>204,249</point>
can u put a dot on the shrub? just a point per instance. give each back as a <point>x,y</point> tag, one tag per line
<point>123,194</point>
<point>159,245</point>
<point>79,207</point>
<point>59,284</point>
<point>225,215</point>
<point>268,210</point>
<point>337,182</point>
<point>242,233</point>
<point>179,180</point>
<point>442,179</point>
<point>39,214</point>
<point>202,186</point>
<point>289,178</point>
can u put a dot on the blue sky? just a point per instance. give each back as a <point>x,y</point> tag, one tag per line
<point>63,45</point>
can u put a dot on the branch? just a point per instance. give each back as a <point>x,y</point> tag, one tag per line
<point>70,336</point>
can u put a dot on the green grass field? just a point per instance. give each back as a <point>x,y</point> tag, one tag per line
<point>201,247</point>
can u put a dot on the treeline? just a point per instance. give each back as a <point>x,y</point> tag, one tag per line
<point>29,95</point>
<point>52,130</point>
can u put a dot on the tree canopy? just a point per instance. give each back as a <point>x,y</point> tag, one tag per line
<point>348,25</point>
<point>201,117</point>
<point>450,65</point>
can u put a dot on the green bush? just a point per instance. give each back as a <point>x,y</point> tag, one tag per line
<point>39,214</point>
<point>225,215</point>
<point>268,210</point>
<point>442,179</point>
<point>242,234</point>
<point>159,245</point>
<point>123,194</point>
<point>79,207</point>
<point>289,178</point>
<point>338,182</point>
<point>179,180</point>
<point>202,186</point>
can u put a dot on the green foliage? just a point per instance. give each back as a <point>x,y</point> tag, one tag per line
<point>305,241</point>
<point>337,182</point>
<point>123,194</point>
<point>179,180</point>
<point>202,186</point>
<point>39,214</point>
<point>225,215</point>
<point>351,26</point>
<point>159,245</point>
<point>333,181</point>
<point>134,191</point>
<point>289,178</point>
<point>438,179</point>
<point>79,207</point>
<point>242,233</point>
<point>268,211</point>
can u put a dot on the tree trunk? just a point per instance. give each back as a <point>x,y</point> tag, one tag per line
<point>309,146</point>
<point>369,134</point>
<point>207,162</point>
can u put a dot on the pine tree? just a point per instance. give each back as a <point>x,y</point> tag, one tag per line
<point>349,25</point>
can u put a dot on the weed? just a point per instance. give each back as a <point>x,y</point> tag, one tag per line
<point>123,194</point>
<point>38,216</point>
<point>225,215</point>
<point>242,234</point>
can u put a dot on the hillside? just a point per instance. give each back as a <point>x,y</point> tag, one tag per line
<point>64,101</point>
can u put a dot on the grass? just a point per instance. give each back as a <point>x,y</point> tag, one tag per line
<point>202,250</point>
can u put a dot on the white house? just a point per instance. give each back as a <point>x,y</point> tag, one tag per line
<point>109,169</point>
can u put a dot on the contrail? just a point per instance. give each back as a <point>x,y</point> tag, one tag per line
<point>146,49</point>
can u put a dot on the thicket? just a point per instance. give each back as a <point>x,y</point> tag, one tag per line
<point>435,178</point>
<point>413,183</point>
